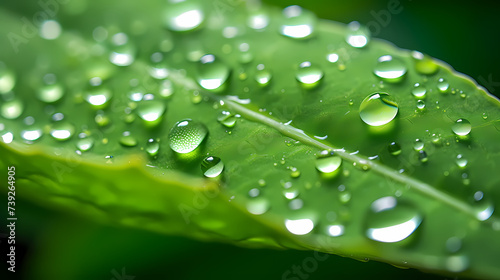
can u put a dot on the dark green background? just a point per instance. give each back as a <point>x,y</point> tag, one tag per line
<point>462,33</point>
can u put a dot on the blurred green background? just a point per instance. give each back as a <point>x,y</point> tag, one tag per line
<point>55,246</point>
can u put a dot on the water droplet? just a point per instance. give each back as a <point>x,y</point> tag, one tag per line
<point>151,111</point>
<point>50,93</point>
<point>101,119</point>
<point>443,85</point>
<point>300,226</point>
<point>461,161</point>
<point>483,207</point>
<point>212,167</point>
<point>378,109</point>
<point>123,51</point>
<point>186,136</point>
<point>294,172</point>
<point>262,75</point>
<point>345,197</point>
<point>390,68</point>
<point>290,193</point>
<point>258,21</point>
<point>332,57</point>
<point>418,145</point>
<point>31,134</point>
<point>127,140</point>
<point>419,91</point>
<point>227,119</point>
<point>420,105</point>
<point>357,36</point>
<point>7,137</point>
<point>453,244</point>
<point>212,73</point>
<point>166,89</point>
<point>152,147</point>
<point>309,75</point>
<point>424,64</point>
<point>7,79</point>
<point>84,144</point>
<point>422,156</point>
<point>328,162</point>
<point>394,149</point>
<point>62,131</point>
<point>12,109</point>
<point>462,127</point>
<point>297,23</point>
<point>391,221</point>
<point>254,192</point>
<point>457,263</point>
<point>485,116</point>
<point>335,230</point>
<point>258,206</point>
<point>50,30</point>
<point>296,204</point>
<point>262,182</point>
<point>99,97</point>
<point>183,15</point>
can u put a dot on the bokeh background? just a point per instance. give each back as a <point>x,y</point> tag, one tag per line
<point>53,245</point>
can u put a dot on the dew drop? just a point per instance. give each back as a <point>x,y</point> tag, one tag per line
<point>151,111</point>
<point>291,193</point>
<point>99,97</point>
<point>12,109</point>
<point>296,204</point>
<point>7,79</point>
<point>390,69</point>
<point>227,119</point>
<point>420,105</point>
<point>332,57</point>
<point>7,137</point>
<point>262,75</point>
<point>483,206</point>
<point>443,85</point>
<point>418,145</point>
<point>50,93</point>
<point>327,162</point>
<point>462,127</point>
<point>357,36</point>
<point>419,91</point>
<point>422,156</point>
<point>212,73</point>
<point>461,161</point>
<point>101,119</point>
<point>186,135</point>
<point>123,52</point>
<point>50,30</point>
<point>308,75</point>
<point>258,206</point>
<point>31,134</point>
<point>258,21</point>
<point>127,140</point>
<point>254,192</point>
<point>85,144</point>
<point>183,15</point>
<point>391,221</point>
<point>300,226</point>
<point>166,89</point>
<point>335,230</point>
<point>457,263</point>
<point>297,23</point>
<point>378,109</point>
<point>424,64</point>
<point>212,167</point>
<point>294,172</point>
<point>62,131</point>
<point>394,149</point>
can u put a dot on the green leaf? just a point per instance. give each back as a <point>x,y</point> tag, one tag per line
<point>236,123</point>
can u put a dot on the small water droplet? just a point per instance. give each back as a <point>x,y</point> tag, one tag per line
<point>424,64</point>
<point>462,127</point>
<point>357,36</point>
<point>296,204</point>
<point>7,137</point>
<point>62,131</point>
<point>335,230</point>
<point>420,105</point>
<point>123,51</point>
<point>183,15</point>
<point>418,145</point>
<point>297,23</point>
<point>453,244</point>
<point>422,156</point>
<point>290,193</point>
<point>419,91</point>
<point>50,30</point>
<point>151,111</point>
<point>99,96</point>
<point>7,79</point>
<point>152,147</point>
<point>84,144</point>
<point>166,89</point>
<point>212,73</point>
<point>254,192</point>
<point>390,68</point>
<point>485,116</point>
<point>300,226</point>
<point>378,109</point>
<point>461,161</point>
<point>483,206</point>
<point>262,182</point>
<point>443,85</point>
<point>294,172</point>
<point>127,140</point>
<point>262,75</point>
<point>308,75</point>
<point>332,57</point>
<point>457,263</point>
<point>394,149</point>
<point>227,119</point>
<point>345,197</point>
<point>31,134</point>
<point>186,135</point>
<point>389,220</point>
<point>328,162</point>
<point>212,167</point>
<point>12,109</point>
<point>50,93</point>
<point>101,119</point>
<point>258,206</point>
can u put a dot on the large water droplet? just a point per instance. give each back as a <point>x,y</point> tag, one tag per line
<point>212,73</point>
<point>151,111</point>
<point>378,109</point>
<point>308,75</point>
<point>461,127</point>
<point>183,15</point>
<point>212,167</point>
<point>62,131</point>
<point>7,79</point>
<point>390,68</point>
<point>328,162</point>
<point>12,109</point>
<point>391,221</point>
<point>300,226</point>
<point>357,36</point>
<point>297,23</point>
<point>186,136</point>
